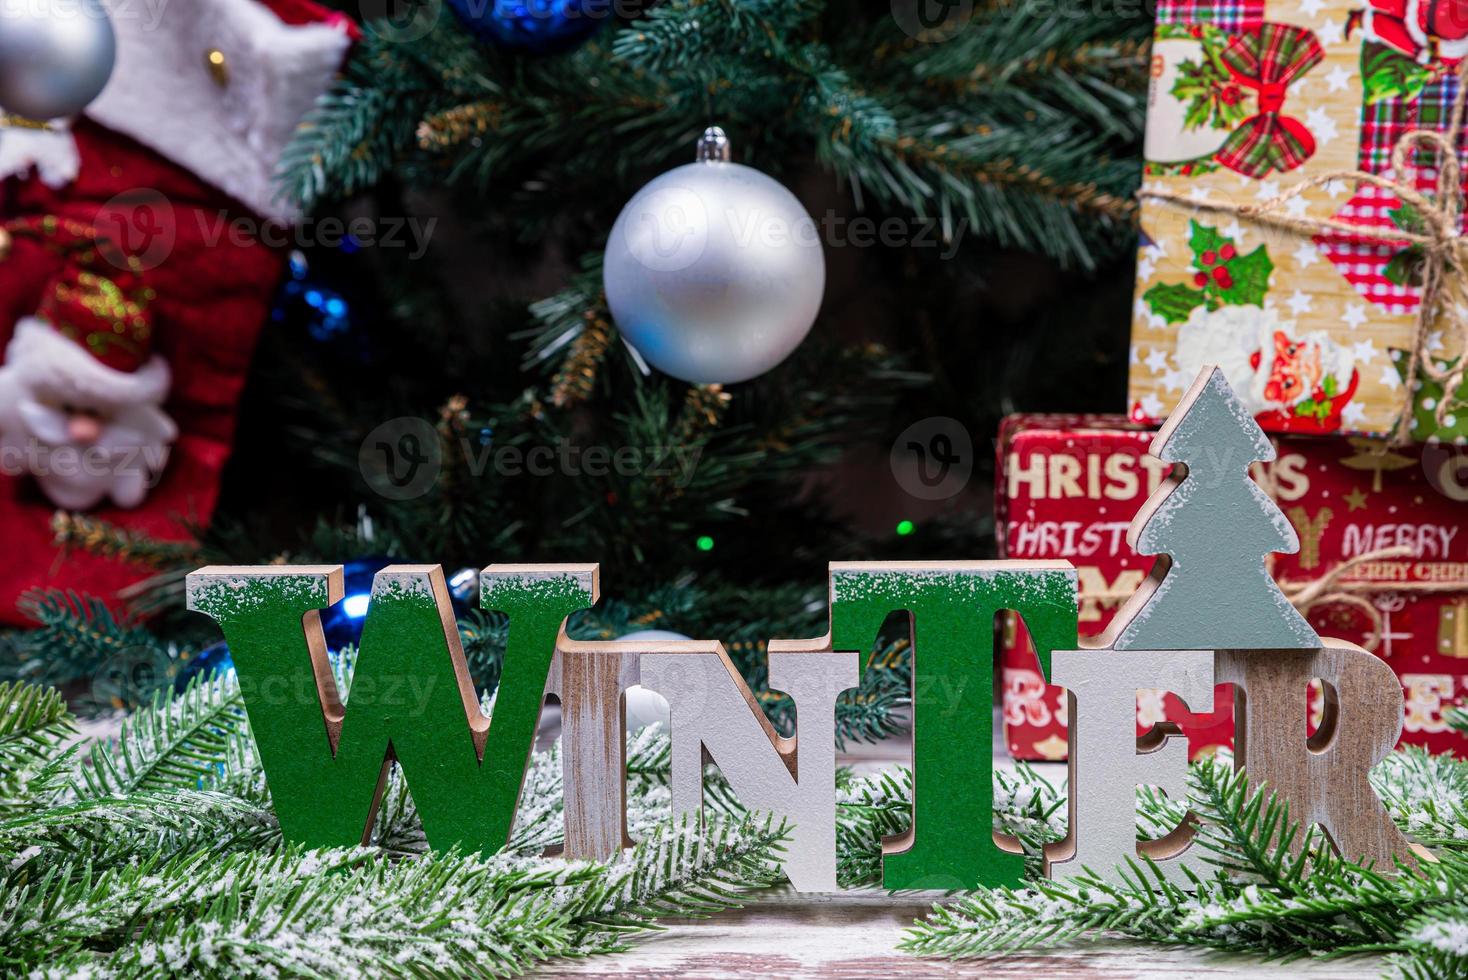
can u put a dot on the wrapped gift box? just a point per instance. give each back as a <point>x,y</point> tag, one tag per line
<point>1348,499</point>
<point>1247,100</point>
<point>1070,486</point>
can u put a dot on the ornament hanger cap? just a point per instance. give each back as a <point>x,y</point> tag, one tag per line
<point>714,147</point>
<point>9,121</point>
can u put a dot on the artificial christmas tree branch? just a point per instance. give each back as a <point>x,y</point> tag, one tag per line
<point>1253,893</point>
<point>99,537</point>
<point>1020,156</point>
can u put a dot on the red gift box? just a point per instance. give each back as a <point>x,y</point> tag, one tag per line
<point>1070,485</point>
<point>1350,500</point>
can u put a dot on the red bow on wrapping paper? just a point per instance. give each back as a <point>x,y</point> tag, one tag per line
<point>1268,62</point>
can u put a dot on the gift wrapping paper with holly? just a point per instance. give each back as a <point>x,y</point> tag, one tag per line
<point>1070,485</point>
<point>1246,100</point>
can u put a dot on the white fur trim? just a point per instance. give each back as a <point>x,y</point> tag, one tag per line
<point>162,94</point>
<point>1412,22</point>
<point>39,356</point>
<point>1452,49</point>
<point>51,152</point>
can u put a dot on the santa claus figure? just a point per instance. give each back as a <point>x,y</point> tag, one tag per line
<point>1293,382</point>
<point>1428,31</point>
<point>144,249</point>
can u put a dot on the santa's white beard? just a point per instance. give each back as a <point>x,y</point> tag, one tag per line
<point>123,463</point>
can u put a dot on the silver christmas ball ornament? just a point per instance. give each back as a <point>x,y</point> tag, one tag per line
<point>714,272</point>
<point>55,56</point>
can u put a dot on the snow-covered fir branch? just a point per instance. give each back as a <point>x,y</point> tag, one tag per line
<point>1262,885</point>
<point>159,852</point>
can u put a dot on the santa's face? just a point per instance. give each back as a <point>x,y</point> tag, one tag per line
<point>80,451</point>
<point>1295,372</point>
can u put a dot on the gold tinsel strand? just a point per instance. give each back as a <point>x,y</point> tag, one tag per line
<point>1084,196</point>
<point>447,129</point>
<point>444,130</point>
<point>453,422</point>
<point>703,408</point>
<point>574,381</point>
<point>98,537</point>
<point>1132,52</point>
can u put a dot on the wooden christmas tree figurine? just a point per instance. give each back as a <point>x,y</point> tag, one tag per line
<point>1212,599</point>
<point>1216,528</point>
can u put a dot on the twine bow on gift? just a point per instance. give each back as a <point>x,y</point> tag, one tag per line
<point>1331,589</point>
<point>1268,62</point>
<point>1436,230</point>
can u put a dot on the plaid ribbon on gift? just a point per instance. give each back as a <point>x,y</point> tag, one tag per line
<point>1384,123</point>
<point>1365,264</point>
<point>1231,16</point>
<point>1268,62</point>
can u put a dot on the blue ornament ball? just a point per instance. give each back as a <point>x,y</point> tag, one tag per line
<point>532,26</point>
<point>342,623</point>
<point>304,297</point>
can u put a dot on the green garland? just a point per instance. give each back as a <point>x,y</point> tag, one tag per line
<point>158,853</point>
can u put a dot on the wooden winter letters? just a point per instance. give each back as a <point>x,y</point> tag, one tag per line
<point>1209,614</point>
